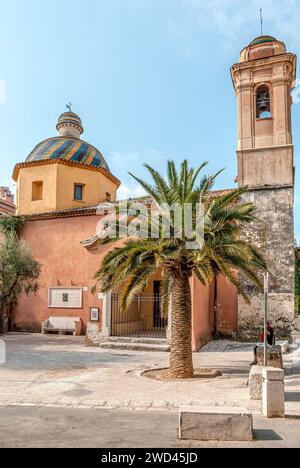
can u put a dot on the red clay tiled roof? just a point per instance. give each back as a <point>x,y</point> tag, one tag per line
<point>219,193</point>
<point>92,211</point>
<point>71,213</point>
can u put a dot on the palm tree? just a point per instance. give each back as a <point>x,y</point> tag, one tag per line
<point>222,252</point>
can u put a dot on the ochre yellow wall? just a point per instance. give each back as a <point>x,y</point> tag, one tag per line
<point>58,188</point>
<point>96,186</point>
<point>46,174</point>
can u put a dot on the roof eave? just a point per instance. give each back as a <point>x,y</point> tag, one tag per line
<point>47,162</point>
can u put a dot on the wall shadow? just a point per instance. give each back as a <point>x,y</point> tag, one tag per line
<point>266,435</point>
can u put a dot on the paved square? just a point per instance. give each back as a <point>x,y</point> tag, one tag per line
<point>49,375</point>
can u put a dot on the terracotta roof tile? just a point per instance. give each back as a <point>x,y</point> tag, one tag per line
<point>92,211</point>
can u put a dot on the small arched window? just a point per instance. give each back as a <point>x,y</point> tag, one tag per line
<point>263,103</point>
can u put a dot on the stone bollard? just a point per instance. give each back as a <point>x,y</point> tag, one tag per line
<point>273,393</point>
<point>255,383</point>
<point>274,356</point>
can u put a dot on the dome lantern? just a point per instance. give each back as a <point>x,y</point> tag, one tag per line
<point>69,124</point>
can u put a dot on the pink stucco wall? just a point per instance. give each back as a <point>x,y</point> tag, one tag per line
<point>206,318</point>
<point>55,243</point>
<point>202,312</point>
<point>227,311</point>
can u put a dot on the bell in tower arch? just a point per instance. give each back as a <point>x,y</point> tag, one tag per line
<point>263,107</point>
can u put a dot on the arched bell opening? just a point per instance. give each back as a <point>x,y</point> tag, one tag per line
<point>263,103</point>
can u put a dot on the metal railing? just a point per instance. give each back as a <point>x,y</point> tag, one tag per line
<point>143,319</point>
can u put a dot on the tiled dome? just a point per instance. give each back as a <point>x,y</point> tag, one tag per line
<point>68,149</point>
<point>68,146</point>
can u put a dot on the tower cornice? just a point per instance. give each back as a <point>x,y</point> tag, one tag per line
<point>266,63</point>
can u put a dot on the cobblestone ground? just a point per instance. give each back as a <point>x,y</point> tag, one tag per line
<point>222,346</point>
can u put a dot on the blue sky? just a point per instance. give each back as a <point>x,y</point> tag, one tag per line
<point>150,78</point>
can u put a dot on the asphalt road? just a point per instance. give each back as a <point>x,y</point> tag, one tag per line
<point>33,427</point>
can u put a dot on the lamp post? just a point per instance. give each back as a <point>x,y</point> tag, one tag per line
<point>266,292</point>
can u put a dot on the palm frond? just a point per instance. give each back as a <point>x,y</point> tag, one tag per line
<point>133,264</point>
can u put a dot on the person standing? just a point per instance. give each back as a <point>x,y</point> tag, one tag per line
<point>270,340</point>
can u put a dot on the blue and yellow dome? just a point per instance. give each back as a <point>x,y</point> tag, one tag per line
<point>68,146</point>
<point>68,149</point>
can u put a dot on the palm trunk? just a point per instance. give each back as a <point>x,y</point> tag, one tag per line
<point>181,360</point>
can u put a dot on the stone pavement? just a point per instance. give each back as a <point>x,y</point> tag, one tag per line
<point>89,428</point>
<point>61,372</point>
<point>55,392</point>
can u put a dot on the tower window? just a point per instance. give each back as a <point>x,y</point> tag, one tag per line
<point>263,103</point>
<point>37,191</point>
<point>108,197</point>
<point>78,192</point>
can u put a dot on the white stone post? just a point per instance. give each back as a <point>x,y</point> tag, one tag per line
<point>273,393</point>
<point>2,352</point>
<point>106,315</point>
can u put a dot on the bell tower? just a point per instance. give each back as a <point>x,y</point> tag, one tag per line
<point>263,80</point>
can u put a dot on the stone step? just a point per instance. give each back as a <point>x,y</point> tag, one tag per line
<point>126,339</point>
<point>135,346</point>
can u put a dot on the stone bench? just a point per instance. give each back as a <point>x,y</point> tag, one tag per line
<point>62,326</point>
<point>221,424</point>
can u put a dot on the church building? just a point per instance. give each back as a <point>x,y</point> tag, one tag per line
<point>64,180</point>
